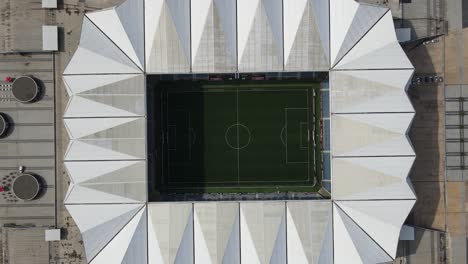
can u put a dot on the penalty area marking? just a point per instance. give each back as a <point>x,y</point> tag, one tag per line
<point>286,135</point>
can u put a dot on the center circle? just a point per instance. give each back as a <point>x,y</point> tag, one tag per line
<point>237,136</point>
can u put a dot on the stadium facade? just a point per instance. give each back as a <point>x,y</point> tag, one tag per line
<point>370,155</point>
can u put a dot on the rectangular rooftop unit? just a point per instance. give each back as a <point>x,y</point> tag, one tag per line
<point>49,3</point>
<point>403,34</point>
<point>407,233</point>
<point>49,38</point>
<point>52,235</point>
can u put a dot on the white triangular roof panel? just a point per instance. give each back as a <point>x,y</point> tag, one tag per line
<point>321,10</point>
<point>83,107</point>
<point>382,220</point>
<point>202,253</point>
<point>213,36</point>
<point>248,248</point>
<point>378,49</point>
<point>370,91</point>
<point>154,249</point>
<point>131,14</point>
<point>153,12</point>
<point>342,14</point>
<point>278,255</point>
<point>307,231</point>
<point>274,13</point>
<point>115,251</point>
<point>103,150</point>
<point>260,47</point>
<point>84,171</point>
<point>185,250</point>
<point>86,62</point>
<point>262,226</point>
<point>90,216</point>
<point>352,244</point>
<point>81,83</point>
<point>83,195</point>
<point>79,128</point>
<point>326,253</point>
<point>180,10</point>
<point>109,22</point>
<point>364,19</point>
<point>371,134</point>
<point>306,35</point>
<point>137,251</point>
<point>170,234</point>
<point>199,15</point>
<point>98,54</point>
<point>118,95</point>
<point>371,178</point>
<point>214,224</point>
<point>246,10</point>
<point>100,223</point>
<point>226,10</point>
<point>107,182</point>
<point>167,27</point>
<point>293,11</point>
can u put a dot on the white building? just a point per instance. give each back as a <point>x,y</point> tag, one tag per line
<point>370,115</point>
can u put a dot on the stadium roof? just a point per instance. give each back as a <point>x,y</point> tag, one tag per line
<point>106,123</point>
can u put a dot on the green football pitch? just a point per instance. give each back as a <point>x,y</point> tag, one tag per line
<point>239,136</point>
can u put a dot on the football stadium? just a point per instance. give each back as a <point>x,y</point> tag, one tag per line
<point>239,131</point>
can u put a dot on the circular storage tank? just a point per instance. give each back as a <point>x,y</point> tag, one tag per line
<point>3,125</point>
<point>25,89</point>
<point>26,187</point>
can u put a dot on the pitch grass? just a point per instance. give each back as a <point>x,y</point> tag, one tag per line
<point>240,136</point>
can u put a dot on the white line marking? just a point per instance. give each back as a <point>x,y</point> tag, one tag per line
<point>237,116</point>
<point>301,127</point>
<point>281,136</point>
<point>169,137</point>
<point>230,90</point>
<point>237,121</point>
<point>190,134</point>
<point>238,126</point>
<point>286,122</point>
